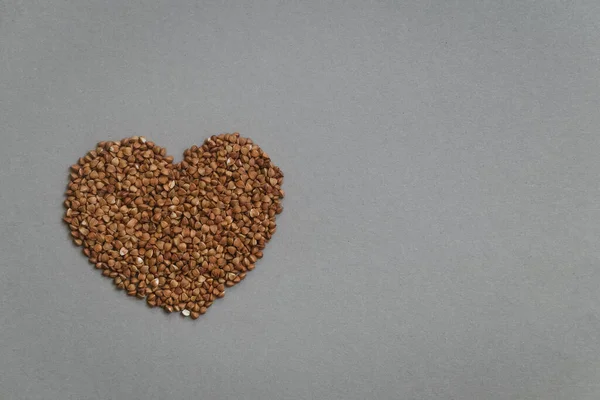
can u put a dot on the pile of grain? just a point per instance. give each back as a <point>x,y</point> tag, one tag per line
<point>176,235</point>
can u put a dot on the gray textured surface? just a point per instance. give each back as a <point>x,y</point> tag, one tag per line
<point>441,229</point>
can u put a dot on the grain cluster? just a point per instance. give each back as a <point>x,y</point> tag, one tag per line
<point>174,234</point>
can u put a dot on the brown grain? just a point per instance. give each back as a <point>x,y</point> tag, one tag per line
<point>177,235</point>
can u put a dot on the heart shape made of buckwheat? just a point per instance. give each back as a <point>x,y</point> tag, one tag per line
<point>174,234</point>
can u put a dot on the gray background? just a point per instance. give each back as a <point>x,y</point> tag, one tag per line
<point>441,225</point>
